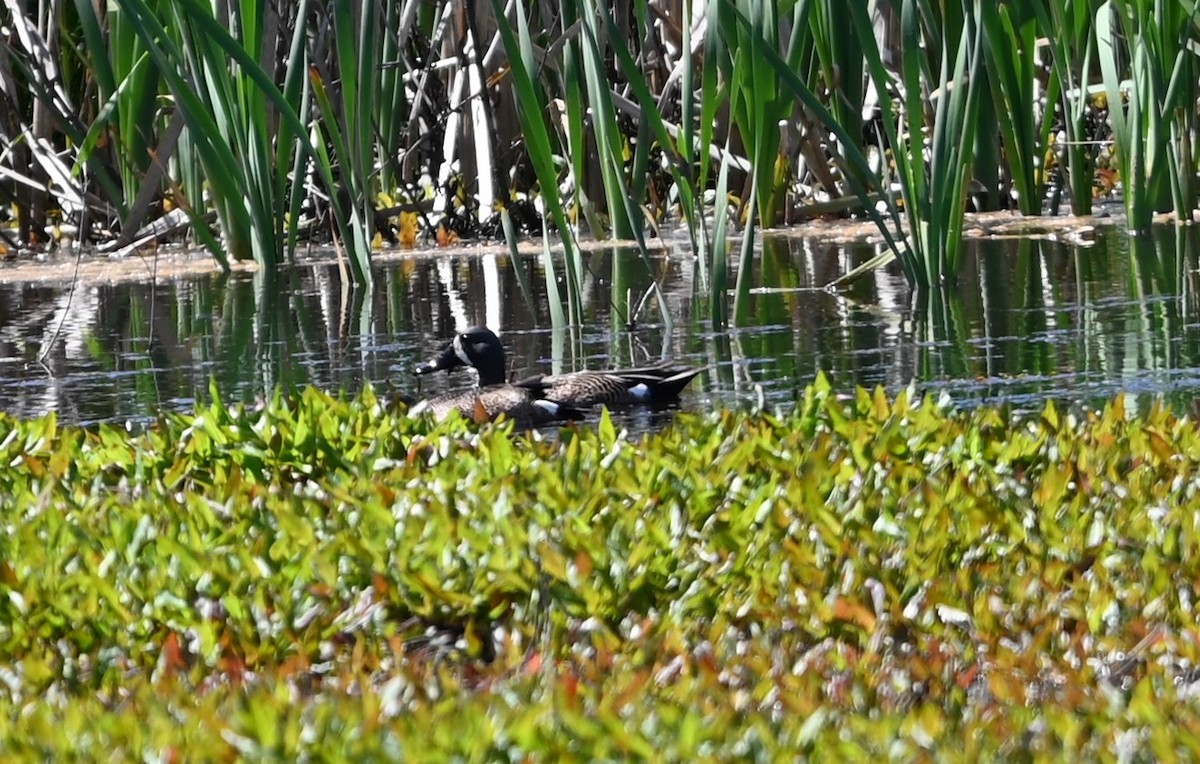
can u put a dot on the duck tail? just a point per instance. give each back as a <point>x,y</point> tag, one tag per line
<point>677,378</point>
<point>556,410</point>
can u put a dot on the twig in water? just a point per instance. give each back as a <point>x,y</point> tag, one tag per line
<point>45,351</point>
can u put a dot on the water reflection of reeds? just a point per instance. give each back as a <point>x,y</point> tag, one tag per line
<point>1047,318</point>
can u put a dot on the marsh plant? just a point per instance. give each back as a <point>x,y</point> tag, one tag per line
<point>325,577</point>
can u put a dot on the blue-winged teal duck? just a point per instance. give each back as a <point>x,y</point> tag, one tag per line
<point>480,349</point>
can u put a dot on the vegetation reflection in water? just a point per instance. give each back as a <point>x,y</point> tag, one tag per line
<point>1036,318</point>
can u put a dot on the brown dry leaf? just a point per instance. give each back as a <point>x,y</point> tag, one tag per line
<point>294,665</point>
<point>446,237</point>
<point>480,414</point>
<point>853,612</point>
<point>967,677</point>
<point>380,584</point>
<point>7,576</point>
<point>174,659</point>
<point>571,688</point>
<point>324,591</point>
<point>408,229</point>
<point>534,664</point>
<point>583,563</point>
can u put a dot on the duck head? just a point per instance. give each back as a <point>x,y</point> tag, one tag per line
<point>478,348</point>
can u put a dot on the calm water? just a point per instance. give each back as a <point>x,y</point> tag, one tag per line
<point>1032,319</point>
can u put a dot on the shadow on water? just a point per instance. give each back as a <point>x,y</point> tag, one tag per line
<point>1034,318</point>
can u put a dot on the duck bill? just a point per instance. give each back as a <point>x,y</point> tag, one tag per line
<point>443,361</point>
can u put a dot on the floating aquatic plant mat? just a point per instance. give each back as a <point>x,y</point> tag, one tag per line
<point>325,579</point>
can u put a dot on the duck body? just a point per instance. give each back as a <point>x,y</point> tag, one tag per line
<point>623,387</point>
<point>526,406</point>
<point>479,348</point>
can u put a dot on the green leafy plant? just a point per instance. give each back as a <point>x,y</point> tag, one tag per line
<point>281,580</point>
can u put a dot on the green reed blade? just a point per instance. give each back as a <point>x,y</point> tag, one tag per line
<point>1068,29</point>
<point>296,90</point>
<point>351,219</point>
<point>857,169</point>
<point>532,111</point>
<point>610,142</point>
<point>1009,47</point>
<point>719,277</point>
<point>678,166</point>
